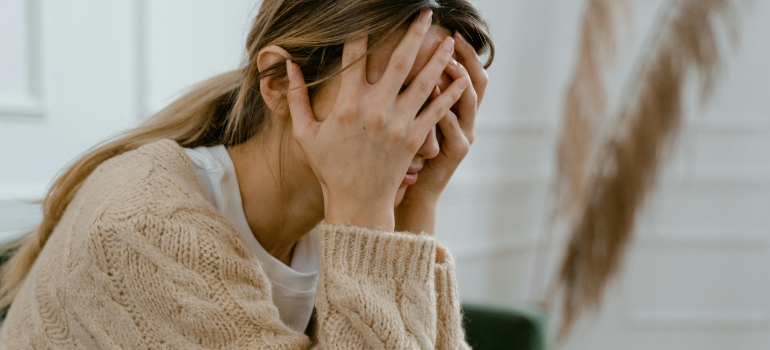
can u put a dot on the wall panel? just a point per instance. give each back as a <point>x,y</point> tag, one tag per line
<point>20,90</point>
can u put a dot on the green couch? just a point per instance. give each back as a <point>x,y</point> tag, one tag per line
<point>495,327</point>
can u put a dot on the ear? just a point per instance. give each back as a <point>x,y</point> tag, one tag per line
<point>273,88</point>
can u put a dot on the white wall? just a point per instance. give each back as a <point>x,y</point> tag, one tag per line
<point>74,72</point>
<point>695,277</point>
<point>72,84</point>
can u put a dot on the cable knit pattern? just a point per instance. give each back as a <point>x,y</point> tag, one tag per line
<point>141,260</point>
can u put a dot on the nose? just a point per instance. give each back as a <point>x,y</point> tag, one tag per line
<point>429,148</point>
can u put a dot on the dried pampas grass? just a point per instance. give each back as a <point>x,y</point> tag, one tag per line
<point>585,105</point>
<point>626,165</point>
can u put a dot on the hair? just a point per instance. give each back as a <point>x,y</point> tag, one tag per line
<point>228,109</point>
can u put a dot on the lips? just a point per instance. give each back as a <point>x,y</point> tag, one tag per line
<point>411,175</point>
<point>414,169</point>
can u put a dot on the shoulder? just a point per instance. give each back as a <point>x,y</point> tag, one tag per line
<point>157,178</point>
<point>152,191</point>
<point>153,194</point>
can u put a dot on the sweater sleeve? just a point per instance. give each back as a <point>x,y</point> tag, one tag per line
<point>376,289</point>
<point>451,334</point>
<point>185,280</point>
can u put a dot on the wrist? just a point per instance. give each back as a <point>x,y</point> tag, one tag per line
<point>416,216</point>
<point>375,216</point>
<point>421,201</point>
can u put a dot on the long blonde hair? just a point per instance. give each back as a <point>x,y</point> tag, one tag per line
<point>228,109</point>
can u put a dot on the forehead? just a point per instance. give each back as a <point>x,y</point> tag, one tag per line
<point>378,60</point>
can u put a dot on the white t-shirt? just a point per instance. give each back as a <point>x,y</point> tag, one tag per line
<point>294,286</point>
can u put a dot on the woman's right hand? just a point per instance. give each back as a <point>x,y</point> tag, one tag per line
<point>362,151</point>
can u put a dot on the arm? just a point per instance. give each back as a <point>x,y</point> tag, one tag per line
<point>417,211</point>
<point>451,334</point>
<point>376,289</point>
<point>416,216</point>
<point>189,282</point>
<point>377,285</point>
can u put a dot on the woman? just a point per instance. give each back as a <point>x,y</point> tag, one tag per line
<point>203,228</point>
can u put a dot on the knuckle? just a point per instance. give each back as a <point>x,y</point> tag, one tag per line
<point>420,31</point>
<point>377,120</point>
<point>439,113</point>
<point>471,137</point>
<point>401,65</point>
<point>473,94</point>
<point>456,94</point>
<point>464,149</point>
<point>452,116</point>
<point>483,77</point>
<point>424,88</point>
<point>349,110</point>
<point>351,55</point>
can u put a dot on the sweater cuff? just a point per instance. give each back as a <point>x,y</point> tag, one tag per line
<point>358,251</point>
<point>450,329</point>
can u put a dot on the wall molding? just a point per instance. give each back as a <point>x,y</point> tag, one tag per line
<point>543,180</point>
<point>535,241</point>
<point>697,320</point>
<point>473,249</point>
<point>492,123</point>
<point>25,104</point>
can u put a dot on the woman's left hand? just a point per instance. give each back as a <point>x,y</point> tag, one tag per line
<point>416,213</point>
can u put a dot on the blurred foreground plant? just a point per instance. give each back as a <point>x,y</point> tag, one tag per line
<point>605,170</point>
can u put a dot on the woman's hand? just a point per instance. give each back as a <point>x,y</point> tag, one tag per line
<point>417,210</point>
<point>362,151</point>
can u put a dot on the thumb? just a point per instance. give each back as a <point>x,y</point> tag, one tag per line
<point>302,116</point>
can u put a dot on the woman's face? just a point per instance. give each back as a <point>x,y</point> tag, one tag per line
<point>325,97</point>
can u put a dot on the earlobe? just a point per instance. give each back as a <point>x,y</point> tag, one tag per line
<point>273,88</point>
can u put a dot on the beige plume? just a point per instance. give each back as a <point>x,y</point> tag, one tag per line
<point>606,200</point>
<point>585,105</point>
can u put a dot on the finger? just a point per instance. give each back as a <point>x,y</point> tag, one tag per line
<point>302,116</point>
<point>439,106</point>
<point>454,138</point>
<point>472,63</point>
<point>421,87</point>
<point>354,65</point>
<point>467,106</point>
<point>402,59</point>
<point>436,92</point>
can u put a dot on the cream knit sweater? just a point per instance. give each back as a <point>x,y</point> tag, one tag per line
<point>141,260</point>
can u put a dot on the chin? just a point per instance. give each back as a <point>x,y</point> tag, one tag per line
<point>400,195</point>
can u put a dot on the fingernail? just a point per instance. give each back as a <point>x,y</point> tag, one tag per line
<point>426,16</point>
<point>449,44</point>
<point>289,68</point>
<point>462,84</point>
<point>460,38</point>
<point>453,62</point>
